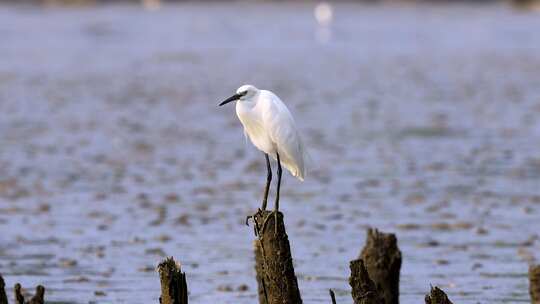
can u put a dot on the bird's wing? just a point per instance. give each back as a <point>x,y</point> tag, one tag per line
<point>281,128</point>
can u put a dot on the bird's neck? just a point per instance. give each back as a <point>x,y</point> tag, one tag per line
<point>247,104</point>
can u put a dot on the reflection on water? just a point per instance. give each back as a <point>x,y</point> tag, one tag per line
<point>420,120</point>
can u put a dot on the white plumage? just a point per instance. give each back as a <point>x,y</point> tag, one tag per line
<point>271,128</point>
<point>269,125</point>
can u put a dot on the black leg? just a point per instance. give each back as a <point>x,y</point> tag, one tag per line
<point>266,190</point>
<point>268,182</point>
<point>276,206</point>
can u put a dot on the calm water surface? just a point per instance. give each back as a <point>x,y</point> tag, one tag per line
<point>423,121</point>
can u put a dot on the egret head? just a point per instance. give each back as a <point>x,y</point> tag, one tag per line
<point>245,92</point>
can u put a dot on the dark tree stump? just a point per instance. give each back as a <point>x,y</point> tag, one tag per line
<point>39,297</point>
<point>3,296</point>
<point>382,258</point>
<point>437,296</point>
<point>364,290</point>
<point>19,298</point>
<point>259,270</point>
<point>275,267</point>
<point>534,284</point>
<point>173,283</point>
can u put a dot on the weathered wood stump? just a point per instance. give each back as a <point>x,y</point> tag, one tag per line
<point>19,298</point>
<point>382,259</point>
<point>364,290</point>
<point>259,270</point>
<point>3,296</point>
<point>437,296</point>
<point>534,284</point>
<point>274,265</point>
<point>173,283</point>
<point>39,296</point>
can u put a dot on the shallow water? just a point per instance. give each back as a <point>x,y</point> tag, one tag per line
<point>423,121</point>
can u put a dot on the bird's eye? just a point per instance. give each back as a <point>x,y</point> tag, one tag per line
<point>244,93</point>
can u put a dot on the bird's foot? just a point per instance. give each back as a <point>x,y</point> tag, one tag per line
<point>247,219</point>
<point>259,211</point>
<point>265,222</point>
<point>254,218</point>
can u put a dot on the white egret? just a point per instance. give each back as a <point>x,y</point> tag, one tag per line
<point>271,128</point>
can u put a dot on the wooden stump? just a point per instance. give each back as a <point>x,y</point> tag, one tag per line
<point>39,297</point>
<point>259,270</point>
<point>382,259</point>
<point>173,283</point>
<point>19,298</point>
<point>3,296</point>
<point>274,265</point>
<point>364,290</point>
<point>534,284</point>
<point>437,296</point>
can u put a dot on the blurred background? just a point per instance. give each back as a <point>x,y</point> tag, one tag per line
<point>421,119</point>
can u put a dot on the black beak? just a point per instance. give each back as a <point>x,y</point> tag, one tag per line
<point>232,98</point>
